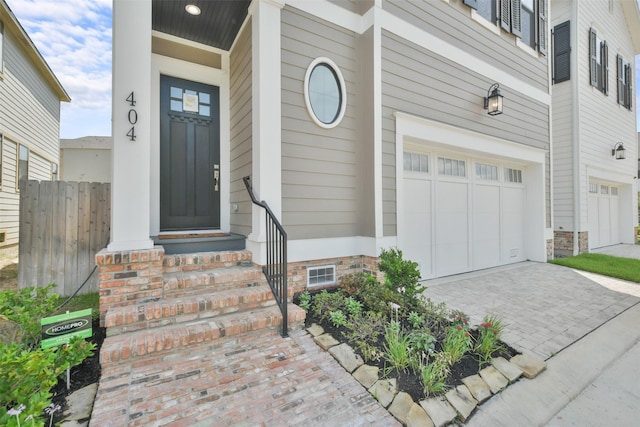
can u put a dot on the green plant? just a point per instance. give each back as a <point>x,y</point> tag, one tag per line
<point>26,307</point>
<point>305,301</point>
<point>415,320</point>
<point>354,307</point>
<point>423,344</point>
<point>488,342</point>
<point>326,302</point>
<point>458,318</point>
<point>27,375</point>
<point>338,318</point>
<point>396,346</point>
<point>436,317</point>
<point>401,276</point>
<point>363,332</point>
<point>434,375</point>
<point>456,343</point>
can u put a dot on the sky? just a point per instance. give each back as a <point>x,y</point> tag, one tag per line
<point>74,37</point>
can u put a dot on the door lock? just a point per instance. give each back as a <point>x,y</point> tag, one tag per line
<point>216,180</point>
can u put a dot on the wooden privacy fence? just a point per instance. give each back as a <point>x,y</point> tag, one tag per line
<point>62,226</point>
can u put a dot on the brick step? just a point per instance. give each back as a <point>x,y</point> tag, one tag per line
<point>176,310</point>
<point>204,282</point>
<point>203,261</point>
<point>168,338</point>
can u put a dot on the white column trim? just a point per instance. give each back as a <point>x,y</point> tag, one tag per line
<point>131,160</point>
<point>266,177</point>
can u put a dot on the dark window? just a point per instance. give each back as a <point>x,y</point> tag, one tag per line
<point>526,19</point>
<point>561,52</point>
<point>623,78</point>
<point>23,164</point>
<point>598,62</point>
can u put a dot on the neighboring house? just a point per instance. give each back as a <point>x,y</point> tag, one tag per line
<point>595,193</point>
<point>86,159</point>
<point>30,96</point>
<point>361,123</point>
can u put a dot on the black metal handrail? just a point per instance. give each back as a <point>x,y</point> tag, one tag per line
<point>275,270</point>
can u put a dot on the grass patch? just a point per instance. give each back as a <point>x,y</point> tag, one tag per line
<point>621,268</point>
<point>81,302</point>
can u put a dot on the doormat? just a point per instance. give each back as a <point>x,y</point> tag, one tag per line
<point>192,236</point>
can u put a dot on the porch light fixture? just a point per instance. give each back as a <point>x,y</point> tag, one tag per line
<point>493,100</point>
<point>192,9</point>
<point>619,151</point>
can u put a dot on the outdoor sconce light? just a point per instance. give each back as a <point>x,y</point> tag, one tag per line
<point>493,100</point>
<point>619,151</point>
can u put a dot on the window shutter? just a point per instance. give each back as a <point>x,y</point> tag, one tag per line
<point>542,26</point>
<point>605,68</point>
<point>505,15</point>
<point>473,4</point>
<point>561,52</point>
<point>593,65</point>
<point>629,91</point>
<point>620,79</point>
<point>516,17</point>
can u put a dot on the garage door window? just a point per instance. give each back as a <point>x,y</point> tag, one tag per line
<point>415,162</point>
<point>604,189</point>
<point>614,191</point>
<point>451,167</point>
<point>513,175</point>
<point>489,172</point>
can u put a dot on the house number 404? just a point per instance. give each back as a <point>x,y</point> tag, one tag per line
<point>132,116</point>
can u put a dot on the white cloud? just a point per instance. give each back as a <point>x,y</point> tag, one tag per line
<point>74,37</point>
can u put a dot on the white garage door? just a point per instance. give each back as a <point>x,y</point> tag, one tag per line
<point>460,214</point>
<point>603,215</point>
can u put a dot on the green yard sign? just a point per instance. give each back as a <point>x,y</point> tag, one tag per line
<point>58,330</point>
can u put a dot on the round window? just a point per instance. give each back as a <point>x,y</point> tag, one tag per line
<point>324,93</point>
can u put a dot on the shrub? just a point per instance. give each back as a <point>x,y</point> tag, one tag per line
<point>363,331</point>
<point>354,307</point>
<point>423,344</point>
<point>338,318</point>
<point>26,307</point>
<point>305,301</point>
<point>401,277</point>
<point>326,302</point>
<point>27,372</point>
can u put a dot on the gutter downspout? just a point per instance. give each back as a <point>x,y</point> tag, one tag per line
<point>575,129</point>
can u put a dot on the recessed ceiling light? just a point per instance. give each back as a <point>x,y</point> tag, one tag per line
<point>192,9</point>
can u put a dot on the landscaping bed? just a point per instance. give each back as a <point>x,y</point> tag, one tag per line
<point>427,347</point>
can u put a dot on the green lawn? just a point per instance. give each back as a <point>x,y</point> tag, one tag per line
<point>80,302</point>
<point>622,268</point>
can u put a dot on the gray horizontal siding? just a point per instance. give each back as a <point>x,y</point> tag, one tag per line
<point>320,172</point>
<point>452,22</point>
<point>418,82</point>
<point>9,197</point>
<point>241,131</point>
<point>30,109</point>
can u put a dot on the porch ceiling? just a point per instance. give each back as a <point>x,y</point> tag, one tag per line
<point>216,26</point>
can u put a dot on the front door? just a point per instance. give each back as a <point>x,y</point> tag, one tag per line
<point>189,155</point>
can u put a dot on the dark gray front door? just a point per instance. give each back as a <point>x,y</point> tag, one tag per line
<point>189,155</point>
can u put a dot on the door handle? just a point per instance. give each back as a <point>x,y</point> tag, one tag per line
<point>216,180</point>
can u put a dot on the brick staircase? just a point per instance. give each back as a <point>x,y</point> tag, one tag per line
<point>204,298</point>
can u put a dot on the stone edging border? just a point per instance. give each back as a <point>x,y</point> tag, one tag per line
<point>459,402</point>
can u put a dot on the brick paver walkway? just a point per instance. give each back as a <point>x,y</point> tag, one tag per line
<point>545,307</point>
<point>261,380</point>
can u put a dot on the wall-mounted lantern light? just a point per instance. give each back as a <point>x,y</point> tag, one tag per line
<point>619,151</point>
<point>493,100</point>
